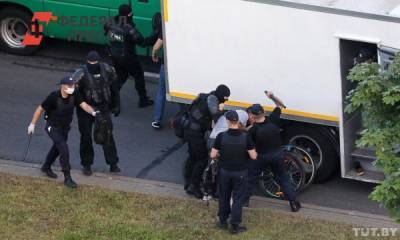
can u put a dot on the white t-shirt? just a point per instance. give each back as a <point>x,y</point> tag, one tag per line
<point>222,124</point>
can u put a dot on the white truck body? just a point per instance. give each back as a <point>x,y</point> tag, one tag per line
<point>289,47</point>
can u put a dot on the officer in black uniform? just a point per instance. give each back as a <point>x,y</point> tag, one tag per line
<point>234,147</point>
<point>123,37</point>
<point>205,109</point>
<point>265,133</point>
<point>98,86</point>
<point>59,109</point>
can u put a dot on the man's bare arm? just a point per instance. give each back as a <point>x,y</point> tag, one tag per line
<point>253,154</point>
<point>87,108</point>
<point>38,112</point>
<point>214,153</point>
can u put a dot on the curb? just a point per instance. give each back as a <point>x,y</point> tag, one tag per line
<point>128,184</point>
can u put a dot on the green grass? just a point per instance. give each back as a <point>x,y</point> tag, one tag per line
<point>40,209</point>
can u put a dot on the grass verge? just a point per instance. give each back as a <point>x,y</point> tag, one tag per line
<point>41,209</point>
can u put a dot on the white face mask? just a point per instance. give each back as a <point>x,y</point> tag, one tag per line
<point>70,91</point>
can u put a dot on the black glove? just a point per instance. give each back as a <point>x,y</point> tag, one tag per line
<point>116,111</point>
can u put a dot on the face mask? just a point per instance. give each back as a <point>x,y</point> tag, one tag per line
<point>70,91</point>
<point>93,68</point>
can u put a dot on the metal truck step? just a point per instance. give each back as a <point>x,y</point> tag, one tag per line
<point>364,153</point>
<point>369,176</point>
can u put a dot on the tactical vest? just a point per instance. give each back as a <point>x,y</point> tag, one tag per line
<point>234,146</point>
<point>97,91</point>
<point>62,115</point>
<point>116,37</point>
<point>199,114</point>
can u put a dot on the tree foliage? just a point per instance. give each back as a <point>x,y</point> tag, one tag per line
<point>377,95</point>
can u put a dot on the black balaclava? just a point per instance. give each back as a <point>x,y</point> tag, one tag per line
<point>221,92</point>
<point>124,10</point>
<point>93,56</point>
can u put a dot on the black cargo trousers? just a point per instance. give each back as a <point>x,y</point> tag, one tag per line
<point>85,124</point>
<point>198,157</point>
<point>130,65</point>
<point>59,136</point>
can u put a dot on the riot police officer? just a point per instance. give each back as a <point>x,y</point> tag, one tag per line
<point>265,133</point>
<point>123,37</point>
<point>234,148</point>
<point>59,109</point>
<point>98,86</point>
<point>205,109</point>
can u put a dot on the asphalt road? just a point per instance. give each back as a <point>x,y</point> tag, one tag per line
<point>158,155</point>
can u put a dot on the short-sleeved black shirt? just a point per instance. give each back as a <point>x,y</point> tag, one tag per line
<point>267,135</point>
<point>59,110</point>
<point>233,146</point>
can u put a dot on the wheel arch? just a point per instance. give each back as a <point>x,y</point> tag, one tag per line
<point>4,5</point>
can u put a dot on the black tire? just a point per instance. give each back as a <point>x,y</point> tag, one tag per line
<point>10,40</point>
<point>318,146</point>
<point>295,170</point>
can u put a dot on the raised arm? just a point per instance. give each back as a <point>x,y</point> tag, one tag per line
<point>275,99</point>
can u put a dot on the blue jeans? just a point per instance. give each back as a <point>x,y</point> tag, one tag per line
<point>276,162</point>
<point>160,99</point>
<point>231,183</point>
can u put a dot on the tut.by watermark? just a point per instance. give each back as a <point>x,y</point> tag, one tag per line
<point>376,232</point>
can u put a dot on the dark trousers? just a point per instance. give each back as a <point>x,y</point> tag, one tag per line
<point>130,66</point>
<point>232,184</point>
<point>85,124</point>
<point>275,161</point>
<point>198,157</point>
<point>59,136</point>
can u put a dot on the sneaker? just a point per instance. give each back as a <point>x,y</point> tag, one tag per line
<point>114,168</point>
<point>295,206</point>
<point>156,125</point>
<point>236,229</point>
<point>87,171</point>
<point>48,172</point>
<point>145,102</point>
<point>68,182</point>
<point>223,225</point>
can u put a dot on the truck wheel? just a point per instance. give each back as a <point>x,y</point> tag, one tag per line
<point>14,23</point>
<point>318,147</point>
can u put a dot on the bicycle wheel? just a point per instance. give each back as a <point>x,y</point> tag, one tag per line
<point>293,168</point>
<point>308,165</point>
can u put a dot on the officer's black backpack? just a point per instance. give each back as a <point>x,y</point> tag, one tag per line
<point>180,122</point>
<point>102,129</point>
<point>182,119</point>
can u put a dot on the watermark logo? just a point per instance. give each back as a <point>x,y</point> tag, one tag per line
<point>35,36</point>
<point>375,232</point>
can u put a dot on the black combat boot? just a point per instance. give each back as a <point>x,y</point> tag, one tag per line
<point>198,193</point>
<point>87,171</point>
<point>235,229</point>
<point>222,225</point>
<point>68,182</point>
<point>114,168</point>
<point>47,170</point>
<point>295,206</point>
<point>145,102</point>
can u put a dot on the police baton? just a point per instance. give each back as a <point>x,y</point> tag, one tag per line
<point>27,147</point>
<point>276,100</point>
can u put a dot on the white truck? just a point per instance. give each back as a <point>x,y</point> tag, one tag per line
<point>302,50</point>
